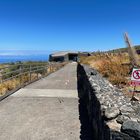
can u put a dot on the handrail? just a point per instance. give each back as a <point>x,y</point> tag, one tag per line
<point>16,65</point>
<point>24,74</point>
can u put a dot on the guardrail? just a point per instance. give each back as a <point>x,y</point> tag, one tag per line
<point>14,77</point>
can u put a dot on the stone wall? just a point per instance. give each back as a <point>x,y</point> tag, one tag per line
<point>110,114</point>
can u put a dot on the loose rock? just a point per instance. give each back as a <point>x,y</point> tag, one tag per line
<point>134,98</point>
<point>113,125</point>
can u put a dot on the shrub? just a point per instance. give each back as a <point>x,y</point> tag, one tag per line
<point>115,67</point>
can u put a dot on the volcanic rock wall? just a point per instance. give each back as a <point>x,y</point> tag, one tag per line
<point>111,115</point>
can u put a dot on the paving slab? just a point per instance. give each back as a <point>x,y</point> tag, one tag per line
<point>46,93</point>
<point>39,119</point>
<point>45,110</point>
<point>65,78</point>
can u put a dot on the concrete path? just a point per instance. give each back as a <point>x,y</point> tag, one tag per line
<point>44,110</point>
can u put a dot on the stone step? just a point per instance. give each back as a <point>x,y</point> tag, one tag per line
<point>45,93</point>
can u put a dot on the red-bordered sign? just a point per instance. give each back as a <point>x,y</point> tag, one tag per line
<point>135,77</point>
<point>135,83</point>
<point>136,74</point>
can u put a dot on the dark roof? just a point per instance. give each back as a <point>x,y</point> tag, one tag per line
<point>63,53</point>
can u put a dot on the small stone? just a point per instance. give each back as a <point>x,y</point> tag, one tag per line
<point>134,98</point>
<point>126,109</point>
<point>138,120</point>
<point>134,119</point>
<point>111,113</point>
<point>103,107</point>
<point>97,88</point>
<point>131,128</point>
<point>93,72</point>
<point>138,110</point>
<point>110,85</point>
<point>134,103</point>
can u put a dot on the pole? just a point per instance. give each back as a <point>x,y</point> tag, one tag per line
<point>30,73</point>
<point>131,51</point>
<point>133,57</point>
<point>20,75</point>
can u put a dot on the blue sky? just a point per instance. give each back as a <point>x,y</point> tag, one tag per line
<point>83,25</point>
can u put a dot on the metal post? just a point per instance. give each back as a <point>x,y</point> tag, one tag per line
<point>20,75</point>
<point>131,51</point>
<point>37,72</point>
<point>30,74</point>
<point>1,79</point>
<point>133,94</point>
<point>44,70</point>
<point>50,68</point>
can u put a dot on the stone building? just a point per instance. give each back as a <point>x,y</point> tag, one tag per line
<point>64,56</point>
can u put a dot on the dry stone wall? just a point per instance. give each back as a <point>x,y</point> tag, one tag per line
<point>112,115</point>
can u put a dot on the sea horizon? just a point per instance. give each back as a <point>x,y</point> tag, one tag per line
<point>22,58</point>
<point>12,56</point>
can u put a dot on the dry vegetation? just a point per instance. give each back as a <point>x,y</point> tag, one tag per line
<point>14,83</point>
<point>24,79</point>
<point>114,66</point>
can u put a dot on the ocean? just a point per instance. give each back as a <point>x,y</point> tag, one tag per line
<point>22,58</point>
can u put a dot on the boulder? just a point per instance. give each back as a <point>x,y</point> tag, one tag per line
<point>115,135</point>
<point>131,128</point>
<point>126,109</point>
<point>111,113</point>
<point>122,118</point>
<point>113,125</point>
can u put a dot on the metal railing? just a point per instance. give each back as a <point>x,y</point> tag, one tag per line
<point>13,77</point>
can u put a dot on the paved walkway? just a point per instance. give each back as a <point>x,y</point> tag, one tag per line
<point>44,110</point>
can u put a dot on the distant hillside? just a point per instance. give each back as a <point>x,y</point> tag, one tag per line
<point>137,47</point>
<point>120,50</point>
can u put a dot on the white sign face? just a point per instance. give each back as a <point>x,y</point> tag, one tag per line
<point>135,76</point>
